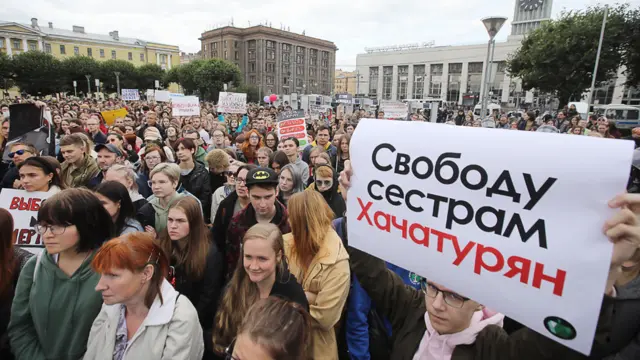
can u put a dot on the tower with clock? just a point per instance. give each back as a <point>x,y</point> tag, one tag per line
<point>529,14</point>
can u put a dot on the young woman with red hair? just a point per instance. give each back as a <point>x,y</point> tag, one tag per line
<point>143,317</point>
<point>252,142</point>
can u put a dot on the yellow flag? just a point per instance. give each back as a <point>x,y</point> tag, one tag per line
<point>111,116</point>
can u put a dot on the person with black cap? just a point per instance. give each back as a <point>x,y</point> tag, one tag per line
<point>108,155</point>
<point>263,208</point>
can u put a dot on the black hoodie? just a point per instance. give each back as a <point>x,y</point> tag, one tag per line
<point>332,196</point>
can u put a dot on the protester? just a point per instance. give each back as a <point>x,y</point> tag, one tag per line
<point>271,141</point>
<point>326,183</point>
<point>108,155</point>
<point>12,260</point>
<point>318,259</point>
<point>199,153</point>
<point>261,273</point>
<point>18,153</point>
<point>290,148</point>
<point>127,176</point>
<point>264,155</point>
<point>116,200</point>
<point>252,142</point>
<point>143,317</point>
<point>218,163</point>
<point>151,122</point>
<point>218,137</point>
<point>262,185</point>
<point>118,140</point>
<point>342,154</point>
<point>55,301</point>
<point>321,140</point>
<point>40,173</point>
<point>222,192</point>
<point>194,177</point>
<point>196,263</point>
<point>79,167</point>
<point>279,160</point>
<point>289,183</point>
<point>164,182</point>
<point>152,156</point>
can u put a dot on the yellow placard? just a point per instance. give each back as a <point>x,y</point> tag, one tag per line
<point>111,116</point>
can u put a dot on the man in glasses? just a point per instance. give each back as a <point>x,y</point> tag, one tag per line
<point>18,153</point>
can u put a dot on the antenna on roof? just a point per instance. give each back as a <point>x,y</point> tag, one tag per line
<point>231,21</point>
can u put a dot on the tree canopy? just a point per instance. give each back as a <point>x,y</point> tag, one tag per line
<point>559,57</point>
<point>37,73</point>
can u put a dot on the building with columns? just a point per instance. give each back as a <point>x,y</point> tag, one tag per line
<point>455,73</point>
<point>276,61</point>
<point>16,38</point>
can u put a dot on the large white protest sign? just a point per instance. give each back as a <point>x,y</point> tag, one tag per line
<point>163,95</point>
<point>24,207</point>
<point>232,103</point>
<point>130,94</point>
<point>495,215</point>
<point>185,106</point>
<point>394,110</point>
<point>151,93</point>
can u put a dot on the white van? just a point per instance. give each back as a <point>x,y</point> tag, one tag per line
<point>624,116</point>
<point>491,108</point>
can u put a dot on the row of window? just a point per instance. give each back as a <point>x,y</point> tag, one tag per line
<point>17,44</point>
<point>76,51</point>
<point>287,82</point>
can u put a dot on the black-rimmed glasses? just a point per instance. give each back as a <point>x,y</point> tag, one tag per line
<point>450,298</point>
<point>228,352</point>
<point>54,229</point>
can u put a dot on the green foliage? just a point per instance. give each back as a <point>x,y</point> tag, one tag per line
<point>37,73</point>
<point>213,74</point>
<point>632,55</point>
<point>253,94</point>
<point>559,57</point>
<point>6,71</point>
<point>75,68</point>
<point>148,74</point>
<point>128,75</point>
<point>171,76</point>
<point>186,76</point>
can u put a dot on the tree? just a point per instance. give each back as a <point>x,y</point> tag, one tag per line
<point>186,76</point>
<point>559,56</point>
<point>632,53</point>
<point>253,94</point>
<point>37,73</point>
<point>6,71</point>
<point>213,74</point>
<point>147,75</point>
<point>171,76</point>
<point>75,68</point>
<point>128,75</point>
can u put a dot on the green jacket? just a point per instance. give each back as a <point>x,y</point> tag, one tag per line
<point>51,317</point>
<point>200,155</point>
<point>79,176</point>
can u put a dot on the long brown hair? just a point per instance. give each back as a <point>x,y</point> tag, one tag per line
<point>191,252</point>
<point>249,153</point>
<point>133,252</point>
<point>310,217</point>
<point>241,292</point>
<point>282,328</point>
<point>7,258</point>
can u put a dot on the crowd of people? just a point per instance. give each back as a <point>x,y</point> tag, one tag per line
<point>211,237</point>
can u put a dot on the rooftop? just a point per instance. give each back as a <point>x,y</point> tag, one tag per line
<point>268,29</point>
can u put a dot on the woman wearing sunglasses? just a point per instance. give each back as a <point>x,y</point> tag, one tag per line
<point>326,183</point>
<point>55,301</point>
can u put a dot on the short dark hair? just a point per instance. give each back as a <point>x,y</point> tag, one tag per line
<point>281,158</point>
<point>323,127</point>
<point>295,140</point>
<point>186,142</point>
<point>79,207</point>
<point>48,165</point>
<point>247,167</point>
<point>118,193</point>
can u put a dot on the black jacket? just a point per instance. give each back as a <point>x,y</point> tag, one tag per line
<point>205,292</point>
<point>288,288</point>
<point>21,256</point>
<point>198,184</point>
<point>10,176</point>
<point>332,196</point>
<point>99,138</point>
<point>147,215</point>
<point>405,308</point>
<point>222,220</point>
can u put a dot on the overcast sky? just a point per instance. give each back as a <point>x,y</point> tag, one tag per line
<point>352,25</point>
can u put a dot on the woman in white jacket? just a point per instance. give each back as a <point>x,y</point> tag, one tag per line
<point>143,317</point>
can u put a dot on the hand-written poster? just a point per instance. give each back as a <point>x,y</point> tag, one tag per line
<point>291,123</point>
<point>495,229</point>
<point>23,207</point>
<point>394,110</point>
<point>185,106</point>
<point>232,103</point>
<point>130,94</point>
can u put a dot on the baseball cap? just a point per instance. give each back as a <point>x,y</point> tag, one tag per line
<point>262,176</point>
<point>112,148</point>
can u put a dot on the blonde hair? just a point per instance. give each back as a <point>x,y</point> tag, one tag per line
<point>128,172</point>
<point>217,160</point>
<point>310,217</point>
<point>171,170</point>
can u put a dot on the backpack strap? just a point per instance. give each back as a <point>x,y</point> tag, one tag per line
<point>38,260</point>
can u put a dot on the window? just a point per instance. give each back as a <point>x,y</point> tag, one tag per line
<point>271,67</point>
<point>285,81</point>
<point>300,71</point>
<point>325,62</point>
<point>236,43</point>
<point>270,44</point>
<point>2,43</point>
<point>286,69</point>
<point>16,44</point>
<point>324,73</point>
<point>214,53</point>
<point>300,59</point>
<point>164,58</point>
<point>252,44</point>
<point>418,81</point>
<point>474,77</point>
<point>236,55</point>
<point>252,54</point>
<point>142,57</point>
<point>33,46</point>
<point>224,44</point>
<point>269,80</point>
<point>215,45</point>
<point>113,54</point>
<point>252,79</point>
<point>252,66</point>
<point>226,55</point>
<point>89,52</point>
<point>62,50</point>
<point>300,50</point>
<point>299,83</point>
<point>435,86</point>
<point>403,81</point>
<point>387,82</point>
<point>312,72</point>
<point>130,56</point>
<point>76,50</point>
<point>101,53</point>
<point>271,55</point>
<point>286,47</point>
<point>47,48</point>
<point>285,90</point>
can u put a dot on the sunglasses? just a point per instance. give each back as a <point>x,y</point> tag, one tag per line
<point>324,183</point>
<point>19,152</point>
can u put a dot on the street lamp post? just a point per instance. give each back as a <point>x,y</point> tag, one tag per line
<point>88,84</point>
<point>117,74</point>
<point>493,24</point>
<point>75,88</point>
